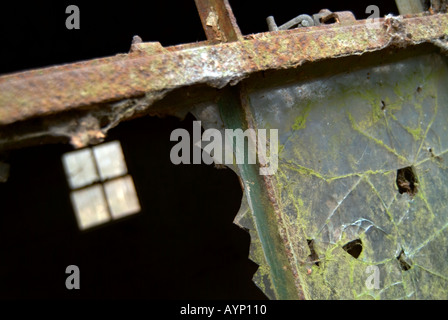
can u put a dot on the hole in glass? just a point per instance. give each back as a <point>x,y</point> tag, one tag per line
<point>354,248</point>
<point>407,181</point>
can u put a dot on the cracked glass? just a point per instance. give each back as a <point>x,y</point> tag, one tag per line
<point>363,178</point>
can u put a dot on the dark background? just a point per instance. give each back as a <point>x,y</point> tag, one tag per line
<point>183,245</point>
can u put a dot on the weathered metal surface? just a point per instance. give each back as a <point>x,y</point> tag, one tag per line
<point>52,90</point>
<point>256,214</point>
<point>218,20</point>
<point>275,273</point>
<point>304,20</point>
<point>270,203</point>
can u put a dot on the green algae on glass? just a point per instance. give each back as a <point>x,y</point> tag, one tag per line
<point>300,120</point>
<point>342,140</point>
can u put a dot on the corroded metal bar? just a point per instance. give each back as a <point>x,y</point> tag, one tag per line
<point>56,89</point>
<point>218,20</point>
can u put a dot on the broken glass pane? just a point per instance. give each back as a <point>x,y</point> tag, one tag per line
<point>363,175</point>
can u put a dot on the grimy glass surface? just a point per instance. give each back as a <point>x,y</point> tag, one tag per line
<point>363,167</point>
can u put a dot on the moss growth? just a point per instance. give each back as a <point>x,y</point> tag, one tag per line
<point>325,193</point>
<point>416,133</point>
<point>379,142</point>
<point>300,120</point>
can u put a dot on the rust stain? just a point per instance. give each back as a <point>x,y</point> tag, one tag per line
<point>218,20</point>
